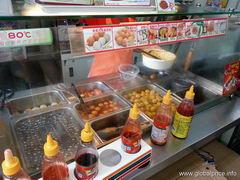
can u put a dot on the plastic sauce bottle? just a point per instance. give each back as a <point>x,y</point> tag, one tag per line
<point>183,116</point>
<point>87,156</point>
<point>53,165</point>
<point>162,121</point>
<point>11,167</point>
<point>132,133</point>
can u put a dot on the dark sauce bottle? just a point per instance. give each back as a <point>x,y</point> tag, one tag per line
<point>87,156</point>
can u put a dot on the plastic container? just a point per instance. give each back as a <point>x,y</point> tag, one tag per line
<point>132,133</point>
<point>53,165</point>
<point>87,156</point>
<point>183,116</point>
<point>162,121</point>
<point>128,71</point>
<point>11,167</point>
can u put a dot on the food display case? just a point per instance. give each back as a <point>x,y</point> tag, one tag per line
<point>48,45</point>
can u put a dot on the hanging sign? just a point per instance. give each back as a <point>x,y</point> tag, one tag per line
<point>25,37</point>
<point>95,39</point>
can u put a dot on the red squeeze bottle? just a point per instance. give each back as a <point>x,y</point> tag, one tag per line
<point>162,121</point>
<point>53,165</point>
<point>184,115</point>
<point>132,133</point>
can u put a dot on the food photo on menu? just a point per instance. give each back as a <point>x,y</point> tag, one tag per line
<point>153,34</point>
<point>143,35</point>
<point>125,36</point>
<point>163,32</point>
<point>166,6</point>
<point>98,39</point>
<point>194,29</point>
<point>181,31</point>
<point>172,32</point>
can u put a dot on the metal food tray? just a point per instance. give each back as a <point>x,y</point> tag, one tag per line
<point>18,106</point>
<point>124,105</point>
<point>118,84</point>
<point>153,87</point>
<point>91,86</point>
<point>117,120</point>
<point>31,132</point>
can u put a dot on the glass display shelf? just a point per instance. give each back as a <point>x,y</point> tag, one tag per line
<point>21,11</point>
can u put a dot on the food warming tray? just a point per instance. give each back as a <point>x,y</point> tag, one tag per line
<point>109,128</point>
<point>18,106</point>
<point>115,98</point>
<point>31,132</point>
<point>90,86</point>
<point>161,92</point>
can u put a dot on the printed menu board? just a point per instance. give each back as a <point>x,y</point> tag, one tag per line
<point>112,37</point>
<point>127,2</point>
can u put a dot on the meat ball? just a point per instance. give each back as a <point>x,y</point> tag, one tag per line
<point>101,34</point>
<point>90,41</point>
<point>96,36</point>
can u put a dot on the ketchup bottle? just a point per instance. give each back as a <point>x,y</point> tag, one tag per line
<point>11,167</point>
<point>162,121</point>
<point>53,165</point>
<point>132,133</point>
<point>183,116</point>
<point>87,156</point>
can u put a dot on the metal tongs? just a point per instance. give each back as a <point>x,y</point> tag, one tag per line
<point>82,103</point>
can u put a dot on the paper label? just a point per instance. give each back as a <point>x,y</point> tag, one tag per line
<point>166,6</point>
<point>160,134</point>
<point>181,125</point>
<point>130,147</point>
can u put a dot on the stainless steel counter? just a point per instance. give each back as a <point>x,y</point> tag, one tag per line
<point>205,126</point>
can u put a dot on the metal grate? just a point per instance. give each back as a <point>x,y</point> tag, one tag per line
<point>31,135</point>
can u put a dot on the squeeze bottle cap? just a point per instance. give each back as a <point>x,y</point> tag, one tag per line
<point>87,133</point>
<point>167,99</point>
<point>51,147</point>
<point>190,93</point>
<point>11,164</point>
<point>134,112</point>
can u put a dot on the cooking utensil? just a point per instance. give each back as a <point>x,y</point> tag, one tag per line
<point>82,103</point>
<point>148,54</point>
<point>188,59</point>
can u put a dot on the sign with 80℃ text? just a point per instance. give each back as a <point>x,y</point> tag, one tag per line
<point>25,37</point>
